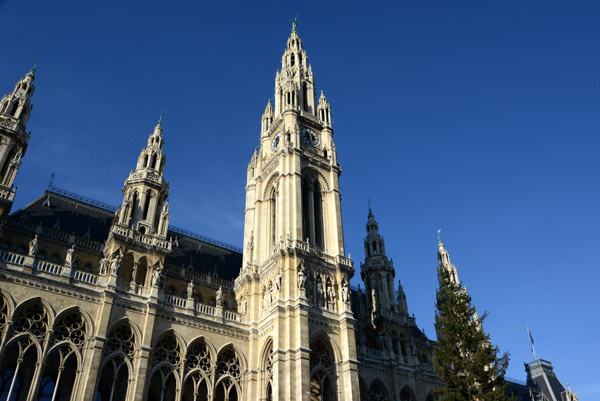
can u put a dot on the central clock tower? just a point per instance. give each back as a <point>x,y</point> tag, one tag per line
<point>295,277</point>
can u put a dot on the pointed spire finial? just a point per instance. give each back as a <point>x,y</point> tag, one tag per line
<point>294,21</point>
<point>32,71</point>
<point>370,211</point>
<point>439,231</point>
<point>161,116</point>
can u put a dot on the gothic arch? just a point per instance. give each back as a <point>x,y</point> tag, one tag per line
<point>200,362</point>
<point>323,374</point>
<point>266,369</point>
<point>407,394</point>
<point>7,306</point>
<point>89,323</point>
<point>309,171</point>
<point>21,358</point>
<point>229,368</point>
<point>31,301</point>
<point>335,348</point>
<point>134,340</point>
<point>116,369</point>
<point>272,182</point>
<point>378,391</point>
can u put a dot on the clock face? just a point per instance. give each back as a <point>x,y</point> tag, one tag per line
<point>309,136</point>
<point>275,143</point>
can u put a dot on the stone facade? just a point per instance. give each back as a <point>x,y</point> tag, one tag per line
<point>114,304</point>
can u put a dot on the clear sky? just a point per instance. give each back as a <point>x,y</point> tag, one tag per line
<point>479,117</point>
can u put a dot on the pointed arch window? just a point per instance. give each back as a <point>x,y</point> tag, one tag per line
<point>312,211</point>
<point>273,216</point>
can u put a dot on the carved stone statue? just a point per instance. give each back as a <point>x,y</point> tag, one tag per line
<point>104,262</point>
<point>244,304</point>
<point>301,279</point>
<point>33,246</point>
<point>69,257</point>
<point>219,297</point>
<point>278,279</point>
<point>190,289</point>
<point>320,292</point>
<point>114,265</point>
<point>330,292</point>
<point>157,277</point>
<point>345,292</point>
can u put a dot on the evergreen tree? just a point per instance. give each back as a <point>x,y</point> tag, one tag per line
<point>465,360</point>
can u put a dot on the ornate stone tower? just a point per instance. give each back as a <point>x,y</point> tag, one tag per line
<point>295,276</point>
<point>378,271</point>
<point>138,236</point>
<point>15,109</point>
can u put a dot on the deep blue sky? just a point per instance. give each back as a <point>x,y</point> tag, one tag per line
<point>479,117</point>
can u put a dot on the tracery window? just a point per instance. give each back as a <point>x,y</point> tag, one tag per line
<point>268,371</point>
<point>33,318</point>
<point>119,351</point>
<point>61,366</point>
<point>312,211</point>
<point>377,392</point>
<point>228,375</point>
<point>198,369</point>
<point>322,381</point>
<point>406,394</point>
<point>167,360</point>
<point>3,314</point>
<point>20,358</point>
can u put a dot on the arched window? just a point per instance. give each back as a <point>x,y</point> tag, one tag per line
<point>406,394</point>
<point>5,245</point>
<point>228,375</point>
<point>41,255</point>
<point>377,392</point>
<point>304,97</point>
<point>147,204</point>
<point>273,216</point>
<point>292,60</point>
<point>153,161</point>
<point>312,211</point>
<point>267,369</point>
<point>198,372</point>
<point>145,160</point>
<point>61,365</point>
<point>7,161</point>
<point>323,375</point>
<point>119,351</point>
<point>166,360</point>
<point>20,249</point>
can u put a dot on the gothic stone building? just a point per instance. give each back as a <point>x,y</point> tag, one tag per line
<point>103,303</point>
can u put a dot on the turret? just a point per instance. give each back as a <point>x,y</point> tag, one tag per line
<point>377,271</point>
<point>15,109</point>
<point>444,264</point>
<point>294,85</point>
<point>145,206</point>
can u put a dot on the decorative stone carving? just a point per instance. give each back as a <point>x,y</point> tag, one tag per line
<point>219,297</point>
<point>104,262</point>
<point>70,256</point>
<point>114,265</point>
<point>33,246</point>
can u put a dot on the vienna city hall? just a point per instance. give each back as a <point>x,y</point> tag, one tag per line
<point>104,303</point>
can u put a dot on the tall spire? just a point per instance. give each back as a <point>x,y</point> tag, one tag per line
<point>444,262</point>
<point>145,203</point>
<point>15,109</point>
<point>294,84</point>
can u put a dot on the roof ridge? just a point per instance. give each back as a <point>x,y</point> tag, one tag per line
<point>105,206</point>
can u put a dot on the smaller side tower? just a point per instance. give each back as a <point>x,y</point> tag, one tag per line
<point>377,271</point>
<point>137,244</point>
<point>15,109</point>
